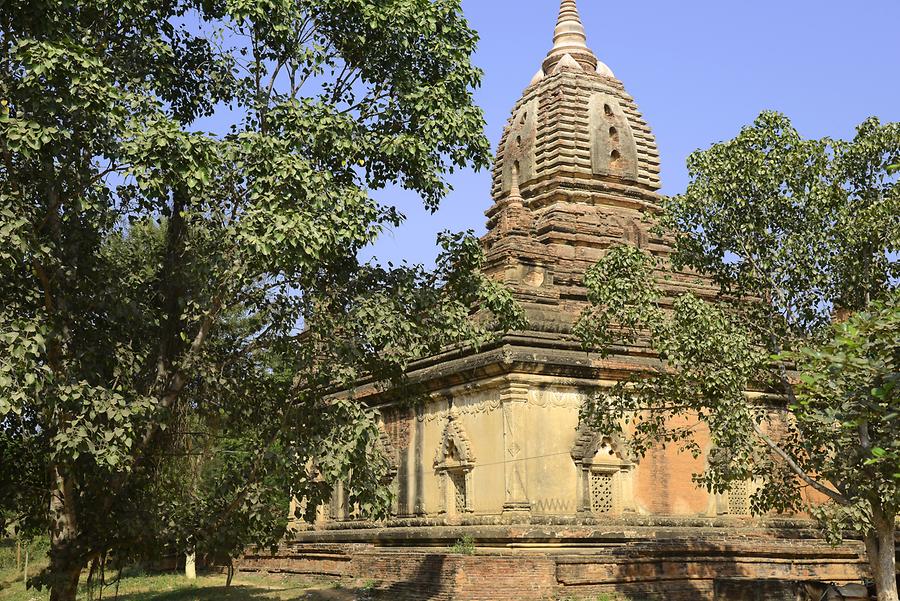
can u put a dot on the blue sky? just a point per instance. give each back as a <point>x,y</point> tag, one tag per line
<point>698,69</point>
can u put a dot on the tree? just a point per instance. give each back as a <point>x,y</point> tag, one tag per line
<point>796,235</point>
<point>858,370</point>
<point>150,270</point>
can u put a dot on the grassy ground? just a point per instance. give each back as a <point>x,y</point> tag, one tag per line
<point>172,587</point>
<point>175,587</point>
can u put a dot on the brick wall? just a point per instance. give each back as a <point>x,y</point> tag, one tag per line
<point>412,576</point>
<point>505,578</point>
<point>674,571</point>
<point>396,424</point>
<point>407,576</point>
<point>714,571</point>
<point>332,561</point>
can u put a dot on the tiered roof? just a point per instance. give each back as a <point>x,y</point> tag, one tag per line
<point>577,172</point>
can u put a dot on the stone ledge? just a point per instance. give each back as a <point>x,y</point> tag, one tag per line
<point>490,530</point>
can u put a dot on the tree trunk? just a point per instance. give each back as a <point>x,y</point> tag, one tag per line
<point>65,584</point>
<point>230,572</point>
<point>65,562</point>
<point>882,551</point>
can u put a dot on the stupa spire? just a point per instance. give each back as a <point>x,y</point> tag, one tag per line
<point>515,195</point>
<point>569,31</point>
<point>570,38</point>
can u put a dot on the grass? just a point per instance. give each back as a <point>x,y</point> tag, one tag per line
<point>464,546</point>
<point>174,587</point>
<point>171,587</point>
<point>605,597</point>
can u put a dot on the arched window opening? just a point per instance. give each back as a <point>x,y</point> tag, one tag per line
<point>454,463</point>
<point>606,474</point>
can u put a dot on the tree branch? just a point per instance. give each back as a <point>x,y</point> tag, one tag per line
<point>799,471</point>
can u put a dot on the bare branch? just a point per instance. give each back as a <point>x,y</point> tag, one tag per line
<point>799,471</point>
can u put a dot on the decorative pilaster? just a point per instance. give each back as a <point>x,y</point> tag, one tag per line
<point>513,401</point>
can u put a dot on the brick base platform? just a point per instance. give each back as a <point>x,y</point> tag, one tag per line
<point>540,564</point>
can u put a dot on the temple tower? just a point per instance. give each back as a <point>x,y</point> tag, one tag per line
<point>496,450</point>
<point>577,171</point>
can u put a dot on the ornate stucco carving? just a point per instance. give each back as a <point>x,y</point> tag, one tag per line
<point>454,462</point>
<point>390,453</point>
<point>455,449</point>
<point>538,397</point>
<point>589,444</point>
<point>545,397</point>
<point>459,410</point>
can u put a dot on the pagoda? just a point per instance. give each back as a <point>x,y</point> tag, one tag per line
<point>496,454</point>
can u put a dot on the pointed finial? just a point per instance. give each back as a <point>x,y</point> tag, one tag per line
<point>570,38</point>
<point>515,195</point>
<point>569,28</point>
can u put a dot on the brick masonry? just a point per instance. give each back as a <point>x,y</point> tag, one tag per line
<point>711,568</point>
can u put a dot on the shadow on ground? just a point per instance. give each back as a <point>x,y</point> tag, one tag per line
<point>245,593</point>
<point>5,584</point>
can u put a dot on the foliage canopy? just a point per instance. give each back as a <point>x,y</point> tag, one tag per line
<point>786,236</point>
<point>168,292</point>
